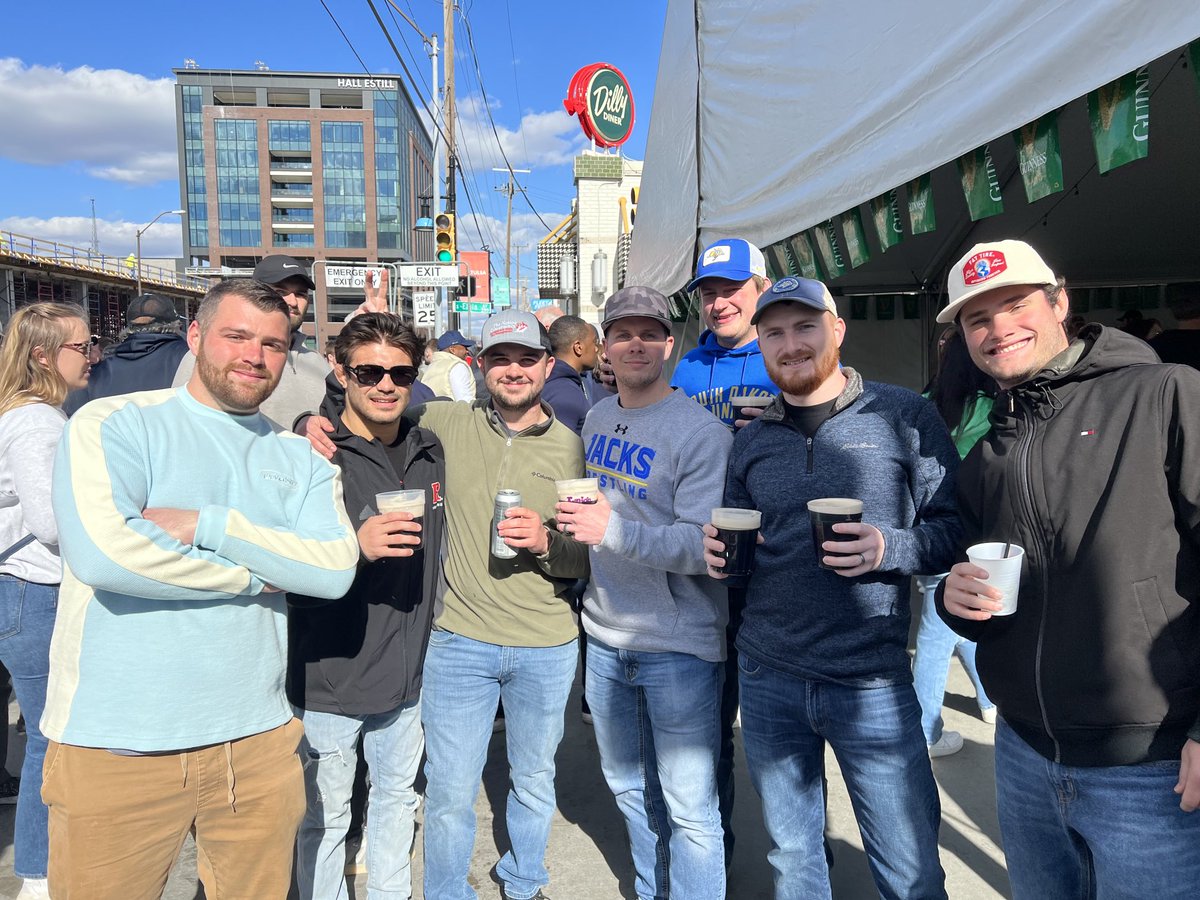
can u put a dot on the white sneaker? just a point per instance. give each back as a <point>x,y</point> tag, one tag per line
<point>988,715</point>
<point>950,742</point>
<point>34,889</point>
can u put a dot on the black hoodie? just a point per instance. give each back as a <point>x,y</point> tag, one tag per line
<point>144,361</point>
<point>363,654</point>
<point>1093,467</point>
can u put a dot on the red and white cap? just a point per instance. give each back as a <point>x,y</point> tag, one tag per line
<point>990,266</point>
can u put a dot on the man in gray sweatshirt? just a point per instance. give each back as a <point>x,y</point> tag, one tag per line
<point>655,623</point>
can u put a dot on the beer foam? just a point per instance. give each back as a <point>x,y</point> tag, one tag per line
<point>837,506</point>
<point>736,519</point>
<point>578,490</point>
<point>412,502</point>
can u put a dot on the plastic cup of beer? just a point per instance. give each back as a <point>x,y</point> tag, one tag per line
<point>1004,572</point>
<point>578,490</point>
<point>826,512</point>
<point>412,502</point>
<point>737,529</point>
<point>757,401</point>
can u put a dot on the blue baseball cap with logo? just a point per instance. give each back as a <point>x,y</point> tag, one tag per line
<point>806,291</point>
<point>732,259</point>
<point>453,339</point>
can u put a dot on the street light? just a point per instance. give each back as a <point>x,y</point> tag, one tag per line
<point>141,231</point>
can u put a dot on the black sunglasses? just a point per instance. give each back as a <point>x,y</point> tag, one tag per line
<point>402,376</point>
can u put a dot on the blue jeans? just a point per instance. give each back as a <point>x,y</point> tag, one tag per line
<point>661,712</point>
<point>875,733</point>
<point>26,623</point>
<point>936,643</point>
<point>392,744</point>
<point>1084,833</point>
<point>464,679</point>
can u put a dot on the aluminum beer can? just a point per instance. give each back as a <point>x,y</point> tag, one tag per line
<point>505,500</point>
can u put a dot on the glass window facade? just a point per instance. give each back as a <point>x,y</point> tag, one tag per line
<point>193,164</point>
<point>344,178</point>
<point>289,136</point>
<point>238,204</point>
<point>391,228</point>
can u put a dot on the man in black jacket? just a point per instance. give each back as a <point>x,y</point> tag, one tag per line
<point>576,353</point>
<point>1091,467</point>
<point>354,666</point>
<point>151,346</point>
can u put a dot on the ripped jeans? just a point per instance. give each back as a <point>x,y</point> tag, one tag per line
<point>392,744</point>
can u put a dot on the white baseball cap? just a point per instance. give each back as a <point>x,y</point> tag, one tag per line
<point>990,266</point>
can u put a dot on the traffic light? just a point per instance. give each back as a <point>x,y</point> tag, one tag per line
<point>443,227</point>
<point>466,286</point>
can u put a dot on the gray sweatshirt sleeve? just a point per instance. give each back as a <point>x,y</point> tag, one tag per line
<point>699,483</point>
<point>31,458</point>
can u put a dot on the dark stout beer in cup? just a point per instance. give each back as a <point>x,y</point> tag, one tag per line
<point>827,512</point>
<point>737,529</point>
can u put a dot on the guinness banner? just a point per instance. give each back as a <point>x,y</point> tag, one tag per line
<point>920,205</point>
<point>980,185</point>
<point>856,239</point>
<point>802,254</point>
<point>1194,57</point>
<point>1039,158</point>
<point>885,213</point>
<point>825,238</point>
<point>1120,116</point>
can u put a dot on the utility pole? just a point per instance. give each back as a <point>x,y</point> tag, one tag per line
<point>449,7</point>
<point>510,188</point>
<point>520,247</point>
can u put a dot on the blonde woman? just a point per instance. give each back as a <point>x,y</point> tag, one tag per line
<point>44,355</point>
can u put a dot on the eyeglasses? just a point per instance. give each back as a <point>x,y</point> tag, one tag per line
<point>402,376</point>
<point>79,347</point>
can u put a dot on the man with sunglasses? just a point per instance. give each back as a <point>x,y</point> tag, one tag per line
<point>354,666</point>
<point>304,374</point>
<point>504,627</point>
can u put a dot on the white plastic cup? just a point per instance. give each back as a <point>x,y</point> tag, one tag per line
<point>401,501</point>
<point>578,490</point>
<point>1004,574</point>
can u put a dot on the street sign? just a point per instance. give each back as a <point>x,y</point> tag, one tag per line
<point>540,303</point>
<point>500,292</point>
<point>347,278</point>
<point>465,306</point>
<point>428,275</point>
<point>425,309</point>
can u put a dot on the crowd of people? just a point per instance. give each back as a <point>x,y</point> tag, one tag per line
<point>230,565</point>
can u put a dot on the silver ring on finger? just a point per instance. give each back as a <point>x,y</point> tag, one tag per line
<point>862,560</point>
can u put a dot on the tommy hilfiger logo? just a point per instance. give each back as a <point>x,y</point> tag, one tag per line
<point>1091,432</point>
<point>621,429</point>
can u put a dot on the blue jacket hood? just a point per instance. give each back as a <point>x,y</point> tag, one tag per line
<point>713,375</point>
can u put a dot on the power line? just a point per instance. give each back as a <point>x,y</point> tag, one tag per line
<point>516,85</point>
<point>488,110</point>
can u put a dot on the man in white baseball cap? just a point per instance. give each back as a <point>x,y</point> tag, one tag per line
<point>1089,469</point>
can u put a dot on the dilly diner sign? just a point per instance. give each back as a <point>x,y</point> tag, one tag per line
<point>599,95</point>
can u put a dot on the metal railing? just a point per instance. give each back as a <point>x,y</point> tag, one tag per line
<point>32,249</point>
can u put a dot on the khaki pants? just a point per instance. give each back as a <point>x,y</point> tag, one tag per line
<point>117,823</point>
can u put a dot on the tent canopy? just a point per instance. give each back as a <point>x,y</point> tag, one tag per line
<point>771,116</point>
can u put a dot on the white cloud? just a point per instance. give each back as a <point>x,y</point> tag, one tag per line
<point>550,138</point>
<point>164,240</point>
<point>119,125</point>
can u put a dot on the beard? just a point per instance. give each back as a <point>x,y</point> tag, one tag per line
<point>513,400</point>
<point>799,385</point>
<point>242,398</point>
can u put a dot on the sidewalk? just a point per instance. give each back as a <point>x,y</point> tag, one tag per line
<point>588,860</point>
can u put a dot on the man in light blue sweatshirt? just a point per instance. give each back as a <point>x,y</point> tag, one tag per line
<point>183,517</point>
<point>655,623</point>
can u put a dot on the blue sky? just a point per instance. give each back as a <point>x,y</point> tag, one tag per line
<point>87,108</point>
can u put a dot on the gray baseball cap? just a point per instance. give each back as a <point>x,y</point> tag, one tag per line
<point>637,301</point>
<point>512,326</point>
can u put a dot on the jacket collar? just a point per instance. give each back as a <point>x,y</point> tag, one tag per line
<point>501,429</point>
<point>853,389</point>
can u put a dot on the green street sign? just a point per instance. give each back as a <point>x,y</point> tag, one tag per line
<point>466,306</point>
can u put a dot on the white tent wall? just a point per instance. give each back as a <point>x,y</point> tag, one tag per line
<point>770,116</point>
